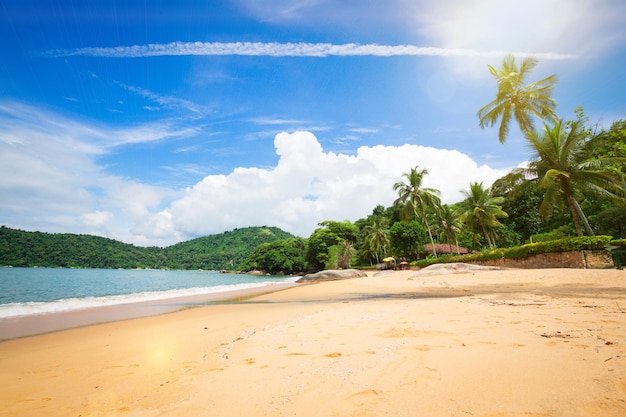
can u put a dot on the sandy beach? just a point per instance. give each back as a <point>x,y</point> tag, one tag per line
<point>484,343</point>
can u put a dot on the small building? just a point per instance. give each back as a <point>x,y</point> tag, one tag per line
<point>445,249</point>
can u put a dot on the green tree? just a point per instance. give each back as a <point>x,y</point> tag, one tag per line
<point>280,256</point>
<point>323,238</point>
<point>416,200</point>
<point>517,100</point>
<point>567,171</point>
<point>522,198</point>
<point>449,224</point>
<point>480,211</point>
<point>377,237</point>
<point>340,255</point>
<point>407,239</point>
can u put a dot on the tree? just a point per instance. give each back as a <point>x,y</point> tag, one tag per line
<point>449,224</point>
<point>522,198</point>
<point>515,99</point>
<point>565,170</point>
<point>280,256</point>
<point>417,199</point>
<point>323,238</point>
<point>480,211</point>
<point>377,236</point>
<point>407,238</point>
<point>340,255</point>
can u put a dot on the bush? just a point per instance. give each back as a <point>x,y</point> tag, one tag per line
<point>619,242</point>
<point>519,252</point>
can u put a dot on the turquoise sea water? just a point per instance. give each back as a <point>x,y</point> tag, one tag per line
<point>31,291</point>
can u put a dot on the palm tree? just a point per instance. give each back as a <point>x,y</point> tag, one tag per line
<point>480,211</point>
<point>377,236</point>
<point>518,100</point>
<point>565,169</point>
<point>416,199</point>
<point>449,224</point>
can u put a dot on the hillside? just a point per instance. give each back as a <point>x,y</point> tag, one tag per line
<point>221,251</point>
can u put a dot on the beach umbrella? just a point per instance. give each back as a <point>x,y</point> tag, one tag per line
<point>389,259</point>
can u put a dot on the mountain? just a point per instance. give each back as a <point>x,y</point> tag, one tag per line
<point>214,252</point>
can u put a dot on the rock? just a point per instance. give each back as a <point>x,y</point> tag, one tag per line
<point>453,268</point>
<point>333,275</point>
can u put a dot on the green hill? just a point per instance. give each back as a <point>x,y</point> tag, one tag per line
<point>222,251</point>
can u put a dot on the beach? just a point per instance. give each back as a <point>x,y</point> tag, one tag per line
<point>520,343</point>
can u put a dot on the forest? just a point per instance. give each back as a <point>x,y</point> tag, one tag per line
<point>215,252</point>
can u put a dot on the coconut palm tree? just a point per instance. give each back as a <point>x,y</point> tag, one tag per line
<point>417,199</point>
<point>518,100</point>
<point>377,236</point>
<point>565,169</point>
<point>449,224</point>
<point>480,211</point>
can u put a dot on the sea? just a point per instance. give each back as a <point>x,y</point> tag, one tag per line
<point>28,294</point>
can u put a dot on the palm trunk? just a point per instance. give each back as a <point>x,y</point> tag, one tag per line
<point>572,207</point>
<point>489,242</point>
<point>430,234</point>
<point>583,218</point>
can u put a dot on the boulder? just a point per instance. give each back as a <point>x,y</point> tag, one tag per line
<point>333,275</point>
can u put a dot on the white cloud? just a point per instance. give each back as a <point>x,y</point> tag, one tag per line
<point>51,181</point>
<point>309,185</point>
<point>97,218</point>
<point>302,49</point>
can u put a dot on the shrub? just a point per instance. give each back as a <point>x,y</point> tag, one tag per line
<point>519,252</point>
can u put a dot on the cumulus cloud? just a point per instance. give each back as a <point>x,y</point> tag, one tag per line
<point>52,181</point>
<point>309,185</point>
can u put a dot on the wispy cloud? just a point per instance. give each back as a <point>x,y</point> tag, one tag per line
<point>275,49</point>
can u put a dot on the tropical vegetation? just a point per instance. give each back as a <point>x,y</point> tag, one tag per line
<point>517,100</point>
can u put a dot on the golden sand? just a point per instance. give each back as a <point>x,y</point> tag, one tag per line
<point>494,343</point>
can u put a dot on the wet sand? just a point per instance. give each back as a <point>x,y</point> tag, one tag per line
<point>493,343</point>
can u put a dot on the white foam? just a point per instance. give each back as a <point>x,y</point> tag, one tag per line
<point>71,304</point>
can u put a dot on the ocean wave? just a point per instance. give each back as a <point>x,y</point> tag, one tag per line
<point>71,304</point>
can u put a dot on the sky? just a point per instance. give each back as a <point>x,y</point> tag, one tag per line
<point>155,122</point>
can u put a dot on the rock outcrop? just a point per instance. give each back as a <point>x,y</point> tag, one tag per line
<point>333,275</point>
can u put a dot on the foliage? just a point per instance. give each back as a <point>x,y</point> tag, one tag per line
<point>281,256</point>
<point>619,242</point>
<point>565,170</point>
<point>340,255</point>
<point>416,200</point>
<point>223,251</point>
<point>521,202</point>
<point>480,211</point>
<point>28,249</point>
<point>517,100</point>
<point>407,239</point>
<point>447,224</point>
<point>531,249</point>
<point>323,238</point>
<point>612,221</point>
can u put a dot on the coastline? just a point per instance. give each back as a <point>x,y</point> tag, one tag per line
<point>37,324</point>
<point>497,343</point>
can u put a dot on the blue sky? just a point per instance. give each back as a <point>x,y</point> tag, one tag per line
<point>157,122</point>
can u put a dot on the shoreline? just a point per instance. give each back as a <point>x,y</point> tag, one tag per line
<point>50,322</point>
<point>514,343</point>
